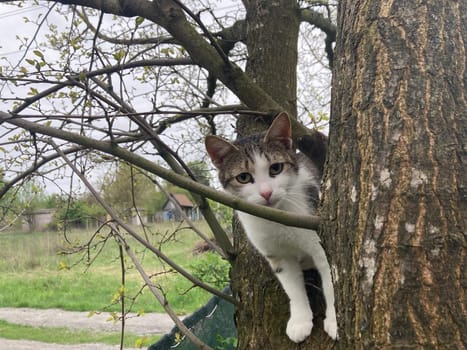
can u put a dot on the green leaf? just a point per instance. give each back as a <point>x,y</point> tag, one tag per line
<point>82,76</point>
<point>63,266</point>
<point>138,21</point>
<point>33,91</point>
<point>142,342</point>
<point>38,54</point>
<point>119,55</point>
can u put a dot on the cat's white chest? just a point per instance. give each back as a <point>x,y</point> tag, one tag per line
<point>273,239</point>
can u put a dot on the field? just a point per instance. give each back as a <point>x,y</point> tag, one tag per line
<point>47,270</point>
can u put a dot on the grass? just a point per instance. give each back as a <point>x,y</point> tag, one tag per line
<point>35,273</point>
<point>78,291</point>
<point>38,271</point>
<point>67,336</point>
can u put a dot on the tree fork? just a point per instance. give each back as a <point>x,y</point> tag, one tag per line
<point>272,37</point>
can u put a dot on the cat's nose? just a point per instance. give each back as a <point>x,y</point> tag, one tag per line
<point>266,194</point>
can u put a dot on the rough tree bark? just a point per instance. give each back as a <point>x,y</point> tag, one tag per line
<point>272,36</point>
<point>395,189</point>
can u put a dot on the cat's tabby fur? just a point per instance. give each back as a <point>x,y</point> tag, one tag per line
<point>264,169</point>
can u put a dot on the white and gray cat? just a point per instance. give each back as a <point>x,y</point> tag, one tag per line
<point>264,169</point>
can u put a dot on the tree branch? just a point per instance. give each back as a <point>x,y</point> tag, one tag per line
<point>8,185</point>
<point>75,78</point>
<point>234,33</point>
<point>276,215</point>
<point>206,32</point>
<point>180,168</point>
<point>135,235</point>
<point>162,300</point>
<point>169,15</point>
<point>318,20</point>
<point>325,24</point>
<point>133,41</point>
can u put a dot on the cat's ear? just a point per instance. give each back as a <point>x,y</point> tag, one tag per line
<point>218,148</point>
<point>280,130</point>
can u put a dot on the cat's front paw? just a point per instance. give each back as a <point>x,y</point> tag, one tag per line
<point>330,327</point>
<point>298,330</point>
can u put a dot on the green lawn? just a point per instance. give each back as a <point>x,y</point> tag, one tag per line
<point>39,270</point>
<point>67,336</point>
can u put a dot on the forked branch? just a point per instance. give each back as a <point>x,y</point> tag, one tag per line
<point>116,218</point>
<point>286,218</point>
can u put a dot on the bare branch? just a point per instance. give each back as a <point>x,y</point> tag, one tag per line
<point>178,116</point>
<point>180,168</point>
<point>162,300</point>
<point>234,33</point>
<point>276,215</point>
<point>168,14</point>
<point>135,235</point>
<point>325,24</point>
<point>317,19</point>
<point>75,79</point>
<point>132,41</point>
<point>189,222</point>
<point>23,175</point>
<point>206,32</point>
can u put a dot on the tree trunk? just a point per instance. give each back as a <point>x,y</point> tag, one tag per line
<point>272,38</point>
<point>394,198</point>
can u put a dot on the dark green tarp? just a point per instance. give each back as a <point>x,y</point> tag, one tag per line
<point>213,324</point>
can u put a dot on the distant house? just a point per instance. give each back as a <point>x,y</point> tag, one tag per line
<point>170,211</point>
<point>37,220</point>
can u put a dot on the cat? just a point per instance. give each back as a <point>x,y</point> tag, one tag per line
<point>264,169</point>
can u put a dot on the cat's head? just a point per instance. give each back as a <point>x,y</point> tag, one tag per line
<point>259,168</point>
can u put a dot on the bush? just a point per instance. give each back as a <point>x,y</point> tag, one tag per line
<point>212,269</point>
<point>78,213</point>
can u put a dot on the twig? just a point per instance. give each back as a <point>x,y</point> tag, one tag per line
<point>133,41</point>
<point>212,40</point>
<point>8,185</point>
<point>33,39</point>
<point>276,215</point>
<point>178,166</point>
<point>135,235</point>
<point>73,79</point>
<point>162,300</point>
<point>188,221</point>
<point>122,266</point>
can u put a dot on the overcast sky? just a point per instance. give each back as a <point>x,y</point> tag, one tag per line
<point>13,24</point>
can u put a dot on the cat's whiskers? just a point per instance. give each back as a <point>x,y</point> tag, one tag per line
<point>291,200</point>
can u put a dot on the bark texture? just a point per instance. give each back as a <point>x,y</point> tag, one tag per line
<point>272,36</point>
<point>395,187</point>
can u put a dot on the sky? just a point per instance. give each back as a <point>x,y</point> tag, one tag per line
<point>18,23</point>
<point>14,24</point>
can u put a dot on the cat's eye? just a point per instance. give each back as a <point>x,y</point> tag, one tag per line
<point>244,178</point>
<point>276,169</point>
